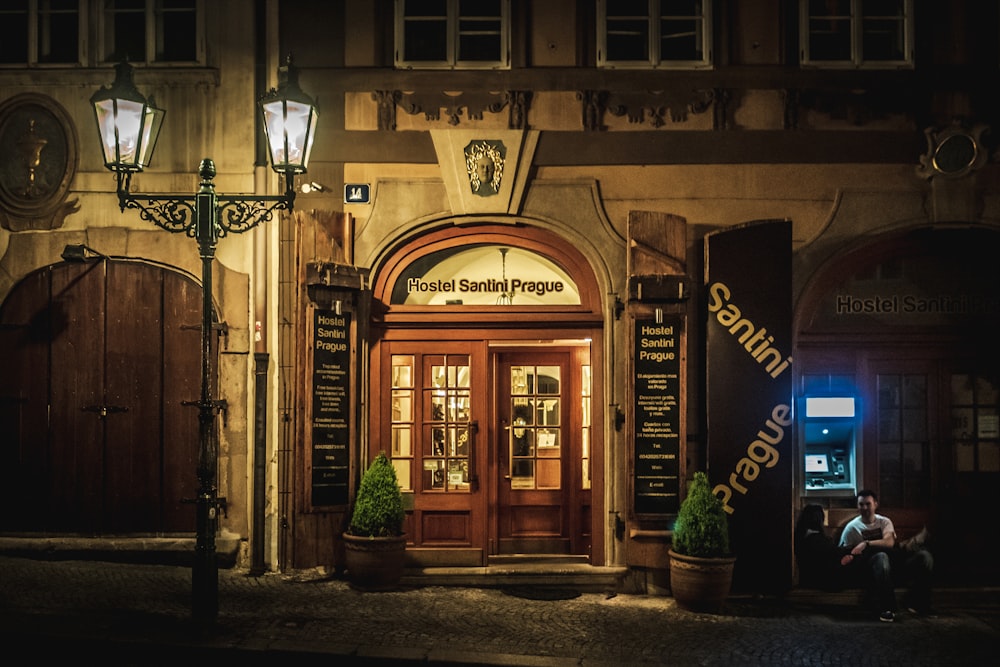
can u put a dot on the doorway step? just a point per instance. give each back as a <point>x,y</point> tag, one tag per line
<point>524,570</point>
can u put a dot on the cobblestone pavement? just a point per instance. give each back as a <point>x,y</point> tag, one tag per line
<point>140,615</point>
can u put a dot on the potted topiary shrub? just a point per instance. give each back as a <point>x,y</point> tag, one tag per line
<point>701,565</point>
<point>374,543</point>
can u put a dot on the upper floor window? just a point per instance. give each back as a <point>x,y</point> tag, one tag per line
<point>151,31</point>
<point>856,33</point>
<point>654,33</point>
<point>55,32</point>
<point>40,31</point>
<point>455,34</point>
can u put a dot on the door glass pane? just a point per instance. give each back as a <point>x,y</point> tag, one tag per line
<point>548,411</point>
<point>965,457</point>
<point>548,380</point>
<point>975,423</point>
<point>585,426</point>
<point>401,408</point>
<point>448,427</point>
<point>989,457</point>
<point>903,447</point>
<point>523,474</point>
<point>401,441</point>
<point>535,433</point>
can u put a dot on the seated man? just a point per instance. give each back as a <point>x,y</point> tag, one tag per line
<point>871,538</point>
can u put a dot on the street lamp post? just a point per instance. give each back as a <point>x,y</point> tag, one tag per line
<point>129,124</point>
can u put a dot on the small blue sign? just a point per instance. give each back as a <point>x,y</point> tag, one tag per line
<point>357,193</point>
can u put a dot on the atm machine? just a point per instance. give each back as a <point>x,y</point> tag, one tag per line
<point>830,443</point>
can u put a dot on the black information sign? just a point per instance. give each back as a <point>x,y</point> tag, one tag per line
<point>331,403</point>
<point>657,416</point>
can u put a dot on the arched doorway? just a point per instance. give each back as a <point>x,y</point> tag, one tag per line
<point>486,357</point>
<point>98,360</point>
<point>907,323</point>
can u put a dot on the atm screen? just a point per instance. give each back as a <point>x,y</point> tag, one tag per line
<point>817,463</point>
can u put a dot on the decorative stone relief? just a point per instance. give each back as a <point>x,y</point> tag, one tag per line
<point>653,107</point>
<point>39,145</point>
<point>484,162</point>
<point>472,103</point>
<point>952,152</point>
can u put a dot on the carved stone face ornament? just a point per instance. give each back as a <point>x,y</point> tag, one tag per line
<point>484,161</point>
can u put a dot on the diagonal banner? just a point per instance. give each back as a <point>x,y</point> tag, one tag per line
<point>748,288</point>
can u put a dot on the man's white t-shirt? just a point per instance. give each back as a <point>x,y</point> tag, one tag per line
<point>857,531</point>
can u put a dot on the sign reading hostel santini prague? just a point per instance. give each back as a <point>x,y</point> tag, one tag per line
<point>657,416</point>
<point>331,405</point>
<point>485,275</point>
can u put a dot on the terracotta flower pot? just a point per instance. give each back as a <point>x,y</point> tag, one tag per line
<point>374,563</point>
<point>700,584</point>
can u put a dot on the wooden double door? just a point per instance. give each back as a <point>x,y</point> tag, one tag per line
<point>492,444</point>
<point>97,360</point>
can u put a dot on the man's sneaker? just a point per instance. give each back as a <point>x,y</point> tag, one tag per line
<point>887,617</point>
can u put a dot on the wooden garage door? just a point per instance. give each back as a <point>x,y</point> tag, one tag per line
<point>97,359</point>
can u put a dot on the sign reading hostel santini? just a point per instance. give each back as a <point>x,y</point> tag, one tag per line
<point>485,275</point>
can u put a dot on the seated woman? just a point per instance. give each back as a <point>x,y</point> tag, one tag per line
<point>820,560</point>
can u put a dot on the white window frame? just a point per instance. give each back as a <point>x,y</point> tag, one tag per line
<point>453,22</point>
<point>154,34</point>
<point>34,19</point>
<point>857,59</point>
<point>654,18</point>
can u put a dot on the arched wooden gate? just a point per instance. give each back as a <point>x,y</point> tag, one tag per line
<point>97,360</point>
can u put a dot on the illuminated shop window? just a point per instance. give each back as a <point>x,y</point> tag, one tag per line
<point>40,32</point>
<point>453,34</point>
<point>654,33</point>
<point>485,275</point>
<point>856,33</point>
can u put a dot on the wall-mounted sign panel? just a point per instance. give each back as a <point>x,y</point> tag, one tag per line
<point>357,193</point>
<point>656,469</point>
<point>331,407</point>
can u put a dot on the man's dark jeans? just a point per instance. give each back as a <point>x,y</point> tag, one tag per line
<point>883,570</point>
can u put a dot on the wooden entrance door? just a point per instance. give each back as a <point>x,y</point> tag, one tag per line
<point>97,360</point>
<point>538,444</point>
<point>427,420</point>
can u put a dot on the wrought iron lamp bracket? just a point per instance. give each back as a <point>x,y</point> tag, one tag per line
<point>178,213</point>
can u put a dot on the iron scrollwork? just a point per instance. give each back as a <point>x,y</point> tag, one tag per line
<point>174,215</point>
<point>239,214</point>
